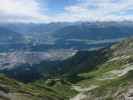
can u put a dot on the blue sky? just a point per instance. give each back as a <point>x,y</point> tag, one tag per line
<point>57,6</point>
<point>65,10</point>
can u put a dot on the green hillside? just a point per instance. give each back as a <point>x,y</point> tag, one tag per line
<point>112,80</point>
<point>12,90</point>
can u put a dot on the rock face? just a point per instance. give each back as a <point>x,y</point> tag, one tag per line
<point>128,95</point>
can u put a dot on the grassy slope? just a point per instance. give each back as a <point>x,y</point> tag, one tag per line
<point>108,88</point>
<point>14,90</point>
<point>60,86</point>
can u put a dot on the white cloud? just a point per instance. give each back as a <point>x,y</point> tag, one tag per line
<point>83,10</point>
<point>102,10</point>
<point>21,10</point>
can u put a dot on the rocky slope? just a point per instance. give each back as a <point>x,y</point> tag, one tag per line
<point>112,80</point>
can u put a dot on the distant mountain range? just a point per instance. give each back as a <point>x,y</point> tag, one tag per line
<point>78,35</point>
<point>78,30</point>
<point>10,36</point>
<point>95,31</point>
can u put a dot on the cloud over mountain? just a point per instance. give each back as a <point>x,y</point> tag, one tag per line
<point>79,10</point>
